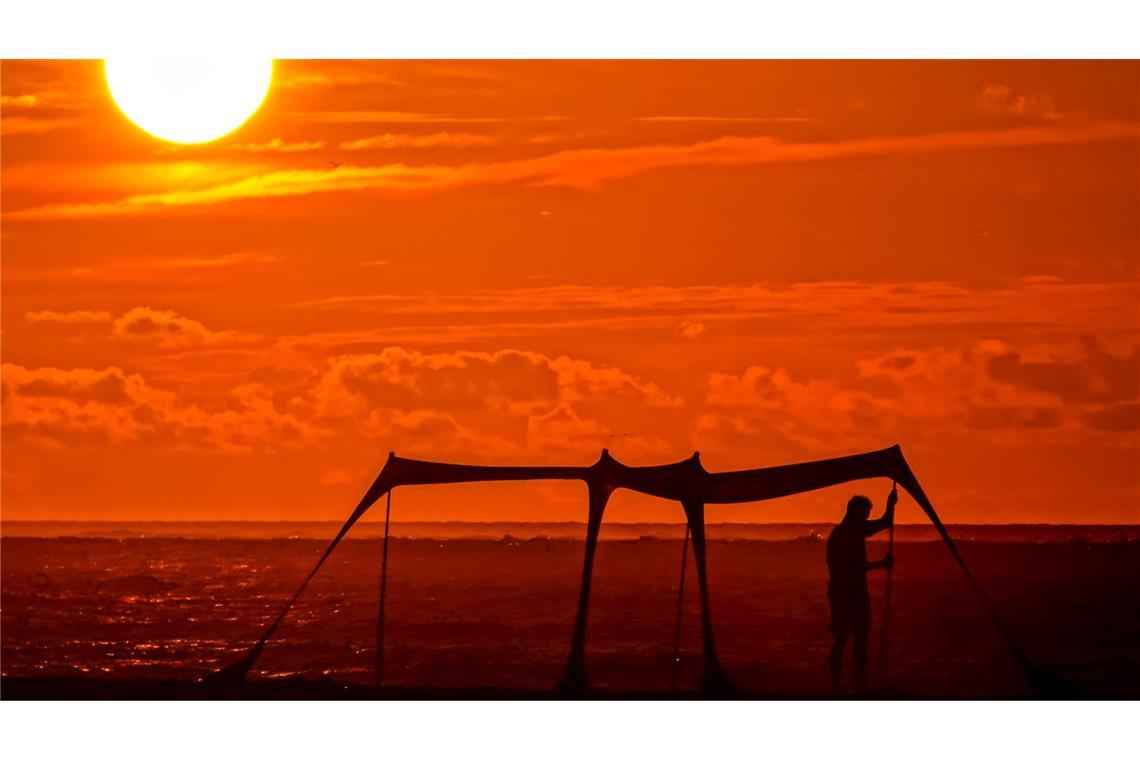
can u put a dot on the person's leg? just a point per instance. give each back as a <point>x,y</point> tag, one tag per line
<point>861,634</point>
<point>835,661</point>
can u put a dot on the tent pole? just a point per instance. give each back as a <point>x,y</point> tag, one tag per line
<point>680,607</point>
<point>887,604</point>
<point>383,595</point>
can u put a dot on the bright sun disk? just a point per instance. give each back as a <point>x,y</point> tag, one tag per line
<point>188,100</point>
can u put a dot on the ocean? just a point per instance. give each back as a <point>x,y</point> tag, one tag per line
<point>492,605</point>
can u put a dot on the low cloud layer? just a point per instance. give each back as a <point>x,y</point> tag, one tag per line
<point>510,403</point>
<point>987,387</point>
<point>64,408</point>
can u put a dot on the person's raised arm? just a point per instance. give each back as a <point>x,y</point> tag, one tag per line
<point>888,518</point>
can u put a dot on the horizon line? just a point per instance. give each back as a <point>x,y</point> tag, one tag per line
<point>554,522</point>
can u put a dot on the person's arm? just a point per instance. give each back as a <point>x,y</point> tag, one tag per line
<point>888,518</point>
<point>886,563</point>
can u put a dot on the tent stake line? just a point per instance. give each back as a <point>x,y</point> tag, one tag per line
<point>686,482</point>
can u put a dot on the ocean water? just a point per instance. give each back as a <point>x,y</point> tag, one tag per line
<point>498,611</point>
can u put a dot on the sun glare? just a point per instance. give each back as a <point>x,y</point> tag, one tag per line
<point>188,100</point>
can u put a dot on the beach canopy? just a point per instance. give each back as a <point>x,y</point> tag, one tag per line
<point>686,482</point>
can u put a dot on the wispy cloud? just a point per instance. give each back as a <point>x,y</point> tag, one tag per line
<point>25,125</point>
<point>389,140</point>
<point>68,317</point>
<point>588,168</point>
<point>161,327</point>
<point>31,113</point>
<point>19,101</point>
<point>701,311</point>
<point>1029,296</point>
<point>277,145</point>
<point>711,119</point>
<point>412,117</point>
<point>326,75</point>
<point>547,138</point>
<point>225,260</point>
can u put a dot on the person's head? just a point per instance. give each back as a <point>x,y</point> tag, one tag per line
<point>858,508</point>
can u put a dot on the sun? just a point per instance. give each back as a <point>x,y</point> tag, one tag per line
<point>188,100</point>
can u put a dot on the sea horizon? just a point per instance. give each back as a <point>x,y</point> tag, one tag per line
<point>537,529</point>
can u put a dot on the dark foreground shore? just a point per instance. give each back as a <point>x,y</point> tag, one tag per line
<point>145,618</point>
<point>324,689</point>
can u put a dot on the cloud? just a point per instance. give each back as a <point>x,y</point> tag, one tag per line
<point>34,113</point>
<point>563,432</point>
<point>587,168</point>
<point>225,260</point>
<point>1115,418</point>
<point>814,414</point>
<point>253,421</point>
<point>69,317</point>
<point>916,394</point>
<point>27,125</point>
<point>1096,375</point>
<point>19,101</point>
<point>510,381</point>
<point>432,433</point>
<point>39,408</point>
<point>515,404</point>
<point>143,324</point>
<point>398,378</point>
<point>710,119</point>
<point>413,117</point>
<point>1000,99</point>
<point>110,179</point>
<point>956,388</point>
<point>389,140</point>
<point>327,74</point>
<point>277,145</point>
<point>509,404</point>
<point>168,329</point>
<point>547,138</point>
<point>1082,307</point>
<point>62,408</point>
<point>691,330</point>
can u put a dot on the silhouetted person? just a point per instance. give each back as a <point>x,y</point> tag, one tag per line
<point>847,588</point>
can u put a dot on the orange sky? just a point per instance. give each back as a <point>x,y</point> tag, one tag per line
<point>524,262</point>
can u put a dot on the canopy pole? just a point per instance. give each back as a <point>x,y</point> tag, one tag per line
<point>574,675</point>
<point>680,607</point>
<point>713,678</point>
<point>383,595</point>
<point>887,603</point>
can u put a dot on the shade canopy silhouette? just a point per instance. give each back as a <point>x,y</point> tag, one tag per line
<point>686,482</point>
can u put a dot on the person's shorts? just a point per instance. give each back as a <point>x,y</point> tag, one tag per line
<point>850,611</point>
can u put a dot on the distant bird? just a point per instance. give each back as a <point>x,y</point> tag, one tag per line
<point>334,164</point>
